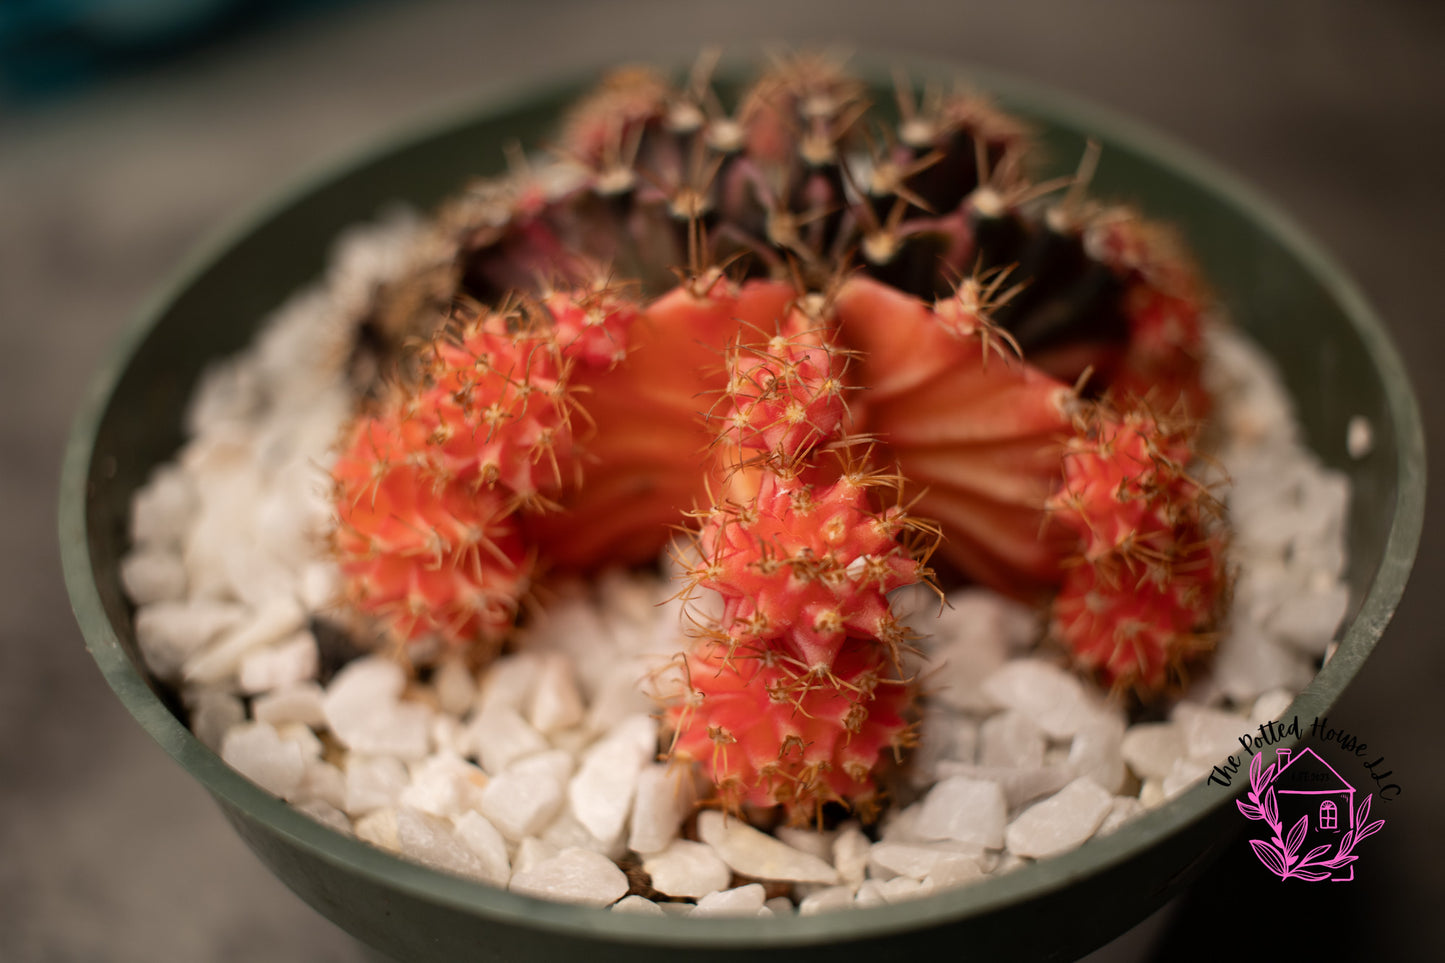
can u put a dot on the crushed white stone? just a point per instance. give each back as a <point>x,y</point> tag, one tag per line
<point>964,809</point>
<point>573,876</point>
<point>827,900</point>
<point>1061,822</point>
<point>759,855</point>
<point>687,869</point>
<point>917,861</point>
<point>1010,739</point>
<point>258,752</point>
<point>524,798</point>
<point>637,906</point>
<point>170,632</point>
<point>663,799</point>
<point>601,792</point>
<point>1050,696</point>
<point>499,735</point>
<point>742,901</point>
<point>1152,748</point>
<point>482,838</point>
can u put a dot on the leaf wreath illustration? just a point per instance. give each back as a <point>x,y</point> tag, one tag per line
<point>1280,853</point>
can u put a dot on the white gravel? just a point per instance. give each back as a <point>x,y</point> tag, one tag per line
<point>543,773</point>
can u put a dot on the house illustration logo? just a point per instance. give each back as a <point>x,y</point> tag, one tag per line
<point>1315,822</point>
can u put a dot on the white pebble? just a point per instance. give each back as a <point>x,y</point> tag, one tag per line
<point>814,842</point>
<point>432,841</point>
<point>565,832</point>
<point>1123,809</point>
<point>163,508</point>
<point>1097,752</point>
<point>887,859</point>
<point>827,900</point>
<point>759,855</point>
<point>956,871</point>
<point>168,633</point>
<point>373,783</point>
<point>320,586</point>
<point>664,797</point>
<point>482,838</point>
<point>456,688</point>
<point>850,854</point>
<point>780,906</point>
<point>213,714</point>
<point>1151,748</point>
<point>637,906</point>
<point>1051,697</point>
<point>1307,621</point>
<point>1210,735</point>
<point>532,852</point>
<point>499,736</point>
<point>1010,739</point>
<point>449,734</point>
<point>258,752</point>
<point>508,683</point>
<point>555,702</point>
<point>322,782</point>
<point>289,662</point>
<point>1060,822</point>
<point>276,620</point>
<point>968,810</point>
<point>297,703</point>
<point>524,798</point>
<point>444,785</point>
<point>1186,773</point>
<point>601,792</point>
<point>401,729</point>
<point>1248,662</point>
<point>1270,707</point>
<point>153,575</point>
<point>573,876</point>
<point>741,901</point>
<point>379,829</point>
<point>944,735</point>
<point>327,815</point>
<point>687,869</point>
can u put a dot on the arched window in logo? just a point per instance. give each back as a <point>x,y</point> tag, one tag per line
<point>1328,815</point>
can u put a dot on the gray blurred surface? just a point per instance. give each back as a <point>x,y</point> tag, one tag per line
<point>109,852</point>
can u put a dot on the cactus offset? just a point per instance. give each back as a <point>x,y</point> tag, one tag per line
<point>799,686</point>
<point>429,491</point>
<point>1147,585</point>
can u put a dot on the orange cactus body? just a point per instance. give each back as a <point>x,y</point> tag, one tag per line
<point>1147,582</point>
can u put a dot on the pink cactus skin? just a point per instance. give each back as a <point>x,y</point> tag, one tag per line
<point>427,556</point>
<point>797,689</point>
<point>1147,583</point>
<point>769,735</point>
<point>430,491</point>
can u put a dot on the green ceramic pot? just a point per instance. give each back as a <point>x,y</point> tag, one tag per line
<point>1274,280</point>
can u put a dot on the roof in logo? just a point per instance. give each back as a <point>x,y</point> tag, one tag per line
<point>1303,773</point>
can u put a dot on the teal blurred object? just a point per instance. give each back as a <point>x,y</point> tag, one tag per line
<point>48,47</point>
<point>1276,283</point>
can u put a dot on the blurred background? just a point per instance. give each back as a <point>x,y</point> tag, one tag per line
<point>131,129</point>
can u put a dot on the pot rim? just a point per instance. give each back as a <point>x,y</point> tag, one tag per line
<point>385,869</point>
